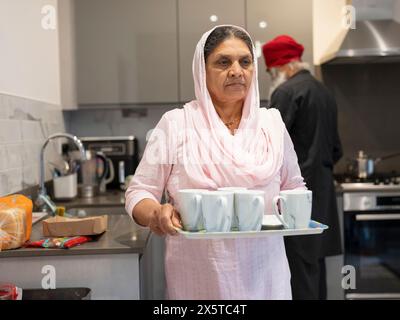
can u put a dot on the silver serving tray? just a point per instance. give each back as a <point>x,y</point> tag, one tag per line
<point>266,231</point>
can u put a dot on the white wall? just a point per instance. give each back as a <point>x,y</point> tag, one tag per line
<point>29,92</point>
<point>29,54</point>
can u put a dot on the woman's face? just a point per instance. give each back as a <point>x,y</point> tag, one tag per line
<point>229,71</point>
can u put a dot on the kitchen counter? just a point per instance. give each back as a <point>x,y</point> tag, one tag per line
<point>122,235</point>
<point>118,265</point>
<point>110,198</point>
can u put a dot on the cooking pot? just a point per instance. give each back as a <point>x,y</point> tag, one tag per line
<point>364,167</point>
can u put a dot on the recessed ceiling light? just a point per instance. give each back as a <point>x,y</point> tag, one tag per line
<point>213,18</point>
<point>263,24</point>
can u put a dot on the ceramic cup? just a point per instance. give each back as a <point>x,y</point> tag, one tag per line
<point>295,208</point>
<point>190,208</point>
<point>217,210</point>
<point>249,207</point>
<point>235,224</point>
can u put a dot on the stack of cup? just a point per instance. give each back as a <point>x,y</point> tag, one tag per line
<point>223,210</point>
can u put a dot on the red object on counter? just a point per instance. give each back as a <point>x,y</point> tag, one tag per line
<point>8,291</point>
<point>59,243</point>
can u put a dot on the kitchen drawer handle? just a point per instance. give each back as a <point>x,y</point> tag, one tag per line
<point>376,217</point>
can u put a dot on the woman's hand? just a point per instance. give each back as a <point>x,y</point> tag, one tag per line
<point>164,219</point>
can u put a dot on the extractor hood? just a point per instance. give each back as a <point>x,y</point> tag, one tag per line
<point>373,41</point>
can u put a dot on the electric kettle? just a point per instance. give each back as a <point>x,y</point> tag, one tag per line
<point>94,174</point>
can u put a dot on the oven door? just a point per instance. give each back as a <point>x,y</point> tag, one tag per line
<point>372,246</point>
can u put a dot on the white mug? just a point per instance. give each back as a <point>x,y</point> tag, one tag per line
<point>190,209</point>
<point>249,206</point>
<point>235,223</point>
<point>217,210</point>
<point>296,208</point>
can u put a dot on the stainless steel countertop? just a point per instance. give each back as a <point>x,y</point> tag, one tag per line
<point>122,235</point>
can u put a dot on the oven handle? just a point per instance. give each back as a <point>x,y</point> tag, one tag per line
<point>377,217</point>
<point>372,296</point>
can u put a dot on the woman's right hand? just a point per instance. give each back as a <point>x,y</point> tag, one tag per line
<point>164,219</point>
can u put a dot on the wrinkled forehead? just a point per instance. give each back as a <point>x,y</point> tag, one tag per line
<point>204,37</point>
<point>232,48</point>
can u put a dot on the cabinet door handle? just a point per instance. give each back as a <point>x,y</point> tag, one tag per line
<point>377,217</point>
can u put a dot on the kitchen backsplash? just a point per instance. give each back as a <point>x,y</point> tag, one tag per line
<point>24,125</point>
<point>108,122</point>
<point>368,101</point>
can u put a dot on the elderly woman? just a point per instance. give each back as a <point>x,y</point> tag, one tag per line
<point>223,138</point>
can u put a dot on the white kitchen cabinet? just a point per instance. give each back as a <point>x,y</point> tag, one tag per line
<point>126,51</point>
<point>195,18</point>
<point>108,276</point>
<point>267,19</point>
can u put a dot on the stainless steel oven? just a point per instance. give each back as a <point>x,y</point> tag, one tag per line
<point>372,242</point>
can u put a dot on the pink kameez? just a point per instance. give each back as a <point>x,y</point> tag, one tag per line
<point>231,268</point>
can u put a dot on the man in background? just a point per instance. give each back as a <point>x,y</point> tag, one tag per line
<point>310,114</point>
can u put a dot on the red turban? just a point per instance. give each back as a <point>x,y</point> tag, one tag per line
<point>281,50</point>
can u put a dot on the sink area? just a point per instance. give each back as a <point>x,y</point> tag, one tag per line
<point>83,211</point>
<point>38,216</point>
<point>123,236</point>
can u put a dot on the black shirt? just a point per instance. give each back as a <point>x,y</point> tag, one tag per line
<point>310,113</point>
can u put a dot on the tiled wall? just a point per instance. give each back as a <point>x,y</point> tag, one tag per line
<point>24,125</point>
<point>115,122</point>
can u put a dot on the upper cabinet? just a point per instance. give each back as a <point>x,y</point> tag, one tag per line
<point>329,23</point>
<point>136,51</point>
<point>267,19</point>
<point>126,51</point>
<point>195,18</point>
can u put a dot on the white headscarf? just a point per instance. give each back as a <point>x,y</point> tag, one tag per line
<point>215,157</point>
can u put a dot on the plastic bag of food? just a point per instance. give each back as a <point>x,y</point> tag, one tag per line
<point>15,221</point>
<point>59,243</point>
<point>8,291</point>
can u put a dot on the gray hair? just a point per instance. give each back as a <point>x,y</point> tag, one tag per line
<point>299,65</point>
<point>220,34</point>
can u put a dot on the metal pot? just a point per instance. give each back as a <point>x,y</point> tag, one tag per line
<point>364,167</point>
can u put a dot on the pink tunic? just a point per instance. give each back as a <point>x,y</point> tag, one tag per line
<point>216,269</point>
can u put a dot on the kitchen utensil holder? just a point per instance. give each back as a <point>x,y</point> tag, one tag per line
<point>66,187</point>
